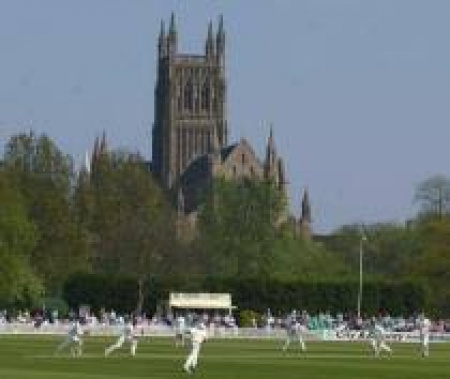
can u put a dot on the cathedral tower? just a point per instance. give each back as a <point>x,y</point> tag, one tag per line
<point>190,103</point>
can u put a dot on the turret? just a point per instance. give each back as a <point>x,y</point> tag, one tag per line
<point>95,152</point>
<point>209,46</point>
<point>162,44</point>
<point>305,217</point>
<point>306,207</point>
<point>103,149</point>
<point>270,163</point>
<point>172,38</point>
<point>220,42</point>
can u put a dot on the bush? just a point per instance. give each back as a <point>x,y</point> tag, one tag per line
<point>246,318</point>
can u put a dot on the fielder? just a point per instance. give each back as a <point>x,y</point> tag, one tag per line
<point>424,331</point>
<point>180,328</point>
<point>73,340</point>
<point>198,335</point>
<point>294,332</point>
<point>378,339</point>
<point>128,335</point>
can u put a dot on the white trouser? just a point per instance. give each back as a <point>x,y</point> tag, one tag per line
<point>424,344</point>
<point>191,361</point>
<point>292,337</point>
<point>119,344</point>
<point>179,338</point>
<point>75,344</point>
<point>379,345</point>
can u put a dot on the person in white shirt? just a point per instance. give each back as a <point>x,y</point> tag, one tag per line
<point>73,340</point>
<point>294,331</point>
<point>378,339</point>
<point>180,329</point>
<point>424,333</point>
<point>198,335</point>
<point>128,335</point>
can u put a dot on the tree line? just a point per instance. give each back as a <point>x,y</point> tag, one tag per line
<point>112,219</point>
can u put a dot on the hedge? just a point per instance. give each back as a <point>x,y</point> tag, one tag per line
<point>120,294</point>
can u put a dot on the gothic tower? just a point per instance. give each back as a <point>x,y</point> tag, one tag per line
<point>190,103</point>
<point>305,218</point>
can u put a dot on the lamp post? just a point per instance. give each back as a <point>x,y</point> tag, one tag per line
<point>360,290</point>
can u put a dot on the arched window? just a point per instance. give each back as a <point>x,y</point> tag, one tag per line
<point>188,95</point>
<point>205,96</point>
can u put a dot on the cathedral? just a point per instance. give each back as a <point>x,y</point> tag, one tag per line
<point>190,144</point>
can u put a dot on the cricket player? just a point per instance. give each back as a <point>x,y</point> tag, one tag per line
<point>294,331</point>
<point>128,335</point>
<point>424,332</point>
<point>73,340</point>
<point>378,339</point>
<point>198,335</point>
<point>180,329</point>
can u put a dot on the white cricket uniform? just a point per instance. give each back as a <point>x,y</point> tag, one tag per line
<point>378,340</point>
<point>73,339</point>
<point>128,335</point>
<point>180,329</point>
<point>198,335</point>
<point>424,331</point>
<point>294,332</point>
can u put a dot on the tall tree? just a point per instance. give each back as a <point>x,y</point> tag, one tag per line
<point>387,248</point>
<point>128,219</point>
<point>433,196</point>
<point>44,175</point>
<point>18,281</point>
<point>238,227</point>
<point>432,265</point>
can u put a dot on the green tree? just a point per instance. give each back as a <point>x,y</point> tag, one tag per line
<point>433,196</point>
<point>44,175</point>
<point>387,248</point>
<point>19,284</point>
<point>297,259</point>
<point>238,226</point>
<point>128,220</point>
<point>432,264</point>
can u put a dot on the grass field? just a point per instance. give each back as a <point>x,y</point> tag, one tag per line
<point>32,358</point>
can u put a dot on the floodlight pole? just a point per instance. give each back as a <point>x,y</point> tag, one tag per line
<point>360,290</point>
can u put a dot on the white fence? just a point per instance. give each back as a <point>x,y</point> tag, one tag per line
<point>153,330</point>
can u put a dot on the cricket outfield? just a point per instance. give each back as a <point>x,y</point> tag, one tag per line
<point>32,357</point>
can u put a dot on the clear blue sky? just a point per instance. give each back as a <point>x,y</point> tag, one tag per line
<point>358,90</point>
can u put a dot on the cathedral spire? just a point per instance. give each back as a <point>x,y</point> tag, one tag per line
<point>95,151</point>
<point>172,36</point>
<point>270,164</point>
<point>209,49</point>
<point>172,27</point>
<point>220,42</point>
<point>306,207</point>
<point>103,144</point>
<point>304,223</point>
<point>162,40</point>
<point>220,30</point>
